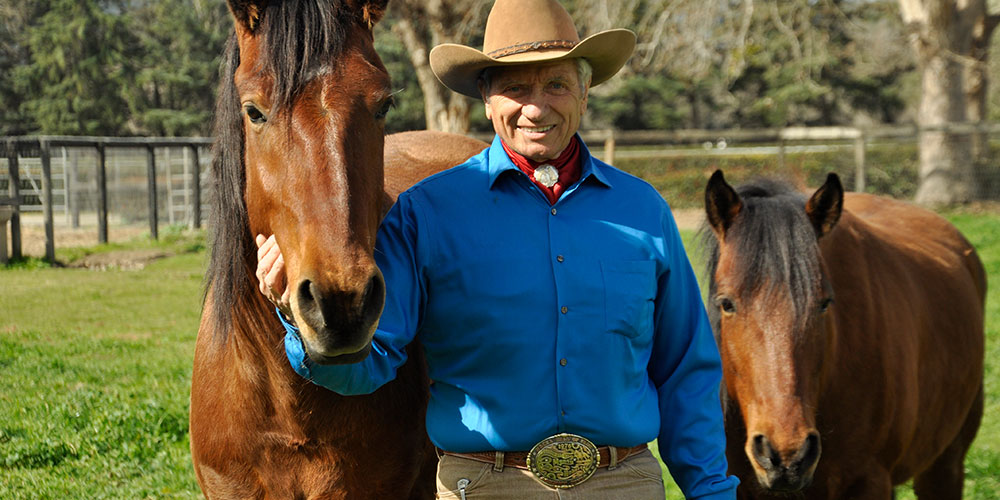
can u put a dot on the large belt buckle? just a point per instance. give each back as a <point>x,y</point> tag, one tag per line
<point>563,460</point>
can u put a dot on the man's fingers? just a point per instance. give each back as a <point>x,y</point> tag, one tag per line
<point>275,278</point>
<point>264,245</point>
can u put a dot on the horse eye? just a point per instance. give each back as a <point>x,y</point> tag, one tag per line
<point>726,304</point>
<point>825,304</point>
<point>255,115</point>
<point>386,106</point>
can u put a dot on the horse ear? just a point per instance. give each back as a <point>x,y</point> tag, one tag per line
<point>246,13</point>
<point>369,11</point>
<point>826,204</point>
<point>722,204</point>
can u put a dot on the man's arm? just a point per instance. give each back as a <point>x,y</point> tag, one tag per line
<point>687,371</point>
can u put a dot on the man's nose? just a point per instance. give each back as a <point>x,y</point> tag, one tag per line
<point>535,106</point>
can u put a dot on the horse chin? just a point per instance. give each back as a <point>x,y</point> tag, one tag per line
<point>340,347</point>
<point>339,359</point>
<point>783,482</point>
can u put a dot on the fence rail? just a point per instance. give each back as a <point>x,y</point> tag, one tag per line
<point>34,155</point>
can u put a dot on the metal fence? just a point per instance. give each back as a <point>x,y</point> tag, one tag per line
<point>90,183</point>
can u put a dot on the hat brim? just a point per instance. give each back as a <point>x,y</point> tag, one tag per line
<point>458,67</point>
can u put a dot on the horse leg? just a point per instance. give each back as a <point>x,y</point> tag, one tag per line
<point>944,479</point>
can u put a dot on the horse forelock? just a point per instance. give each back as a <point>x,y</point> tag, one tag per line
<point>775,247</point>
<point>299,38</point>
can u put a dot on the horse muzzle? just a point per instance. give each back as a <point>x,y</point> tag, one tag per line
<point>337,324</point>
<point>785,472</point>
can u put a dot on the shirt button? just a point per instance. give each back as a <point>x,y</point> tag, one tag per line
<point>560,258</point>
<point>553,211</point>
<point>564,309</point>
<point>562,362</point>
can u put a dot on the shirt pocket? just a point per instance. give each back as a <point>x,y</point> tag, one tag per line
<point>629,292</point>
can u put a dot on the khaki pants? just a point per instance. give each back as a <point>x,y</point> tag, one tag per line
<point>637,478</point>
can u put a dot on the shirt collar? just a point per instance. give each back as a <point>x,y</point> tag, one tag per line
<point>499,162</point>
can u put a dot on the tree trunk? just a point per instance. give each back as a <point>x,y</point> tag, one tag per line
<point>942,33</point>
<point>423,24</point>
<point>976,91</point>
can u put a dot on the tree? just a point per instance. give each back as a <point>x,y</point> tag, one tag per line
<point>423,24</point>
<point>949,37</point>
<point>181,42</point>
<point>80,60</point>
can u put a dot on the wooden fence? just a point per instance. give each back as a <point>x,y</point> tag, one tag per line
<point>658,144</point>
<point>15,147</point>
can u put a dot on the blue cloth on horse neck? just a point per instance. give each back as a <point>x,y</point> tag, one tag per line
<point>582,317</point>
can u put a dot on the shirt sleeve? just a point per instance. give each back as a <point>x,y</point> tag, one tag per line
<point>687,371</point>
<point>396,254</point>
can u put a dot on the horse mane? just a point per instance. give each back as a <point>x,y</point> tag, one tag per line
<point>775,242</point>
<point>297,38</point>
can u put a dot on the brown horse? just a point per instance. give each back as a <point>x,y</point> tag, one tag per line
<point>299,154</point>
<point>851,334</point>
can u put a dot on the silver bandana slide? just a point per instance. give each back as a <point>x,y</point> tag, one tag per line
<point>546,175</point>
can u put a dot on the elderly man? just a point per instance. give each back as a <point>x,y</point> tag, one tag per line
<point>561,320</point>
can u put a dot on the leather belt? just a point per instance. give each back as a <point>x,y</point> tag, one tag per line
<point>519,459</point>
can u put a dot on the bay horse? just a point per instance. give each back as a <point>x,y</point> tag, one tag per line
<point>299,154</point>
<point>851,333</point>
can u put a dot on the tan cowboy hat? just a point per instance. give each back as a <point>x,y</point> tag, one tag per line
<point>529,31</point>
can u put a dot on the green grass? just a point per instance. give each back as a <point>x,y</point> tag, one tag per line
<point>95,369</point>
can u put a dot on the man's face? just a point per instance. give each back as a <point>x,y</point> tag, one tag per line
<point>536,108</point>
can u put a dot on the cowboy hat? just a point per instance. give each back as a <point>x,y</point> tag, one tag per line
<point>529,31</point>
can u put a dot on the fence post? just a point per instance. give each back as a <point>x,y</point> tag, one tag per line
<point>72,190</point>
<point>195,189</point>
<point>609,147</point>
<point>15,192</point>
<point>859,162</point>
<point>102,196</point>
<point>151,174</point>
<point>50,239</point>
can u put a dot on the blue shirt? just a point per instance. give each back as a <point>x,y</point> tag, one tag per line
<point>580,317</point>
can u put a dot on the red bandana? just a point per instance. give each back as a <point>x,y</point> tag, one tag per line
<point>568,165</point>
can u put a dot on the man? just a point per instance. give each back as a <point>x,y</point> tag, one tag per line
<point>562,324</point>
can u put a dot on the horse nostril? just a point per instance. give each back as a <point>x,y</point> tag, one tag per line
<point>764,453</point>
<point>305,292</point>
<point>808,455</point>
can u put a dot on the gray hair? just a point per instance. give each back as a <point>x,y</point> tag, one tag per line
<point>583,70</point>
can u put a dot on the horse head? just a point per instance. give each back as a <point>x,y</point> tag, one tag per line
<point>314,95</point>
<point>770,305</point>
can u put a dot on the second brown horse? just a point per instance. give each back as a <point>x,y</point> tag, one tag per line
<point>851,334</point>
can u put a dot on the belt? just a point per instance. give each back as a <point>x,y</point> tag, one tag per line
<point>519,459</point>
<point>559,461</point>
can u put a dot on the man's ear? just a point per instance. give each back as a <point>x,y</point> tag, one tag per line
<point>483,91</point>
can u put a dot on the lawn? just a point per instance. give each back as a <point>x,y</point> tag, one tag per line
<point>96,366</point>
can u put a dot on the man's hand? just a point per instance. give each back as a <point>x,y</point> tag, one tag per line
<point>271,274</point>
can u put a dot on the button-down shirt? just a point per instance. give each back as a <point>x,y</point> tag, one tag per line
<point>582,317</point>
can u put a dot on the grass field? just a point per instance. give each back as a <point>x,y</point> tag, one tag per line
<point>95,373</point>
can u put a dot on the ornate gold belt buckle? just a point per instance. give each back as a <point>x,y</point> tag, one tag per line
<point>563,460</point>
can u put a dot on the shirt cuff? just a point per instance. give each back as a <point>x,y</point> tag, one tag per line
<point>294,349</point>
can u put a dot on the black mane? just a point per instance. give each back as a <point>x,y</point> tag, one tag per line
<point>777,245</point>
<point>298,38</point>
